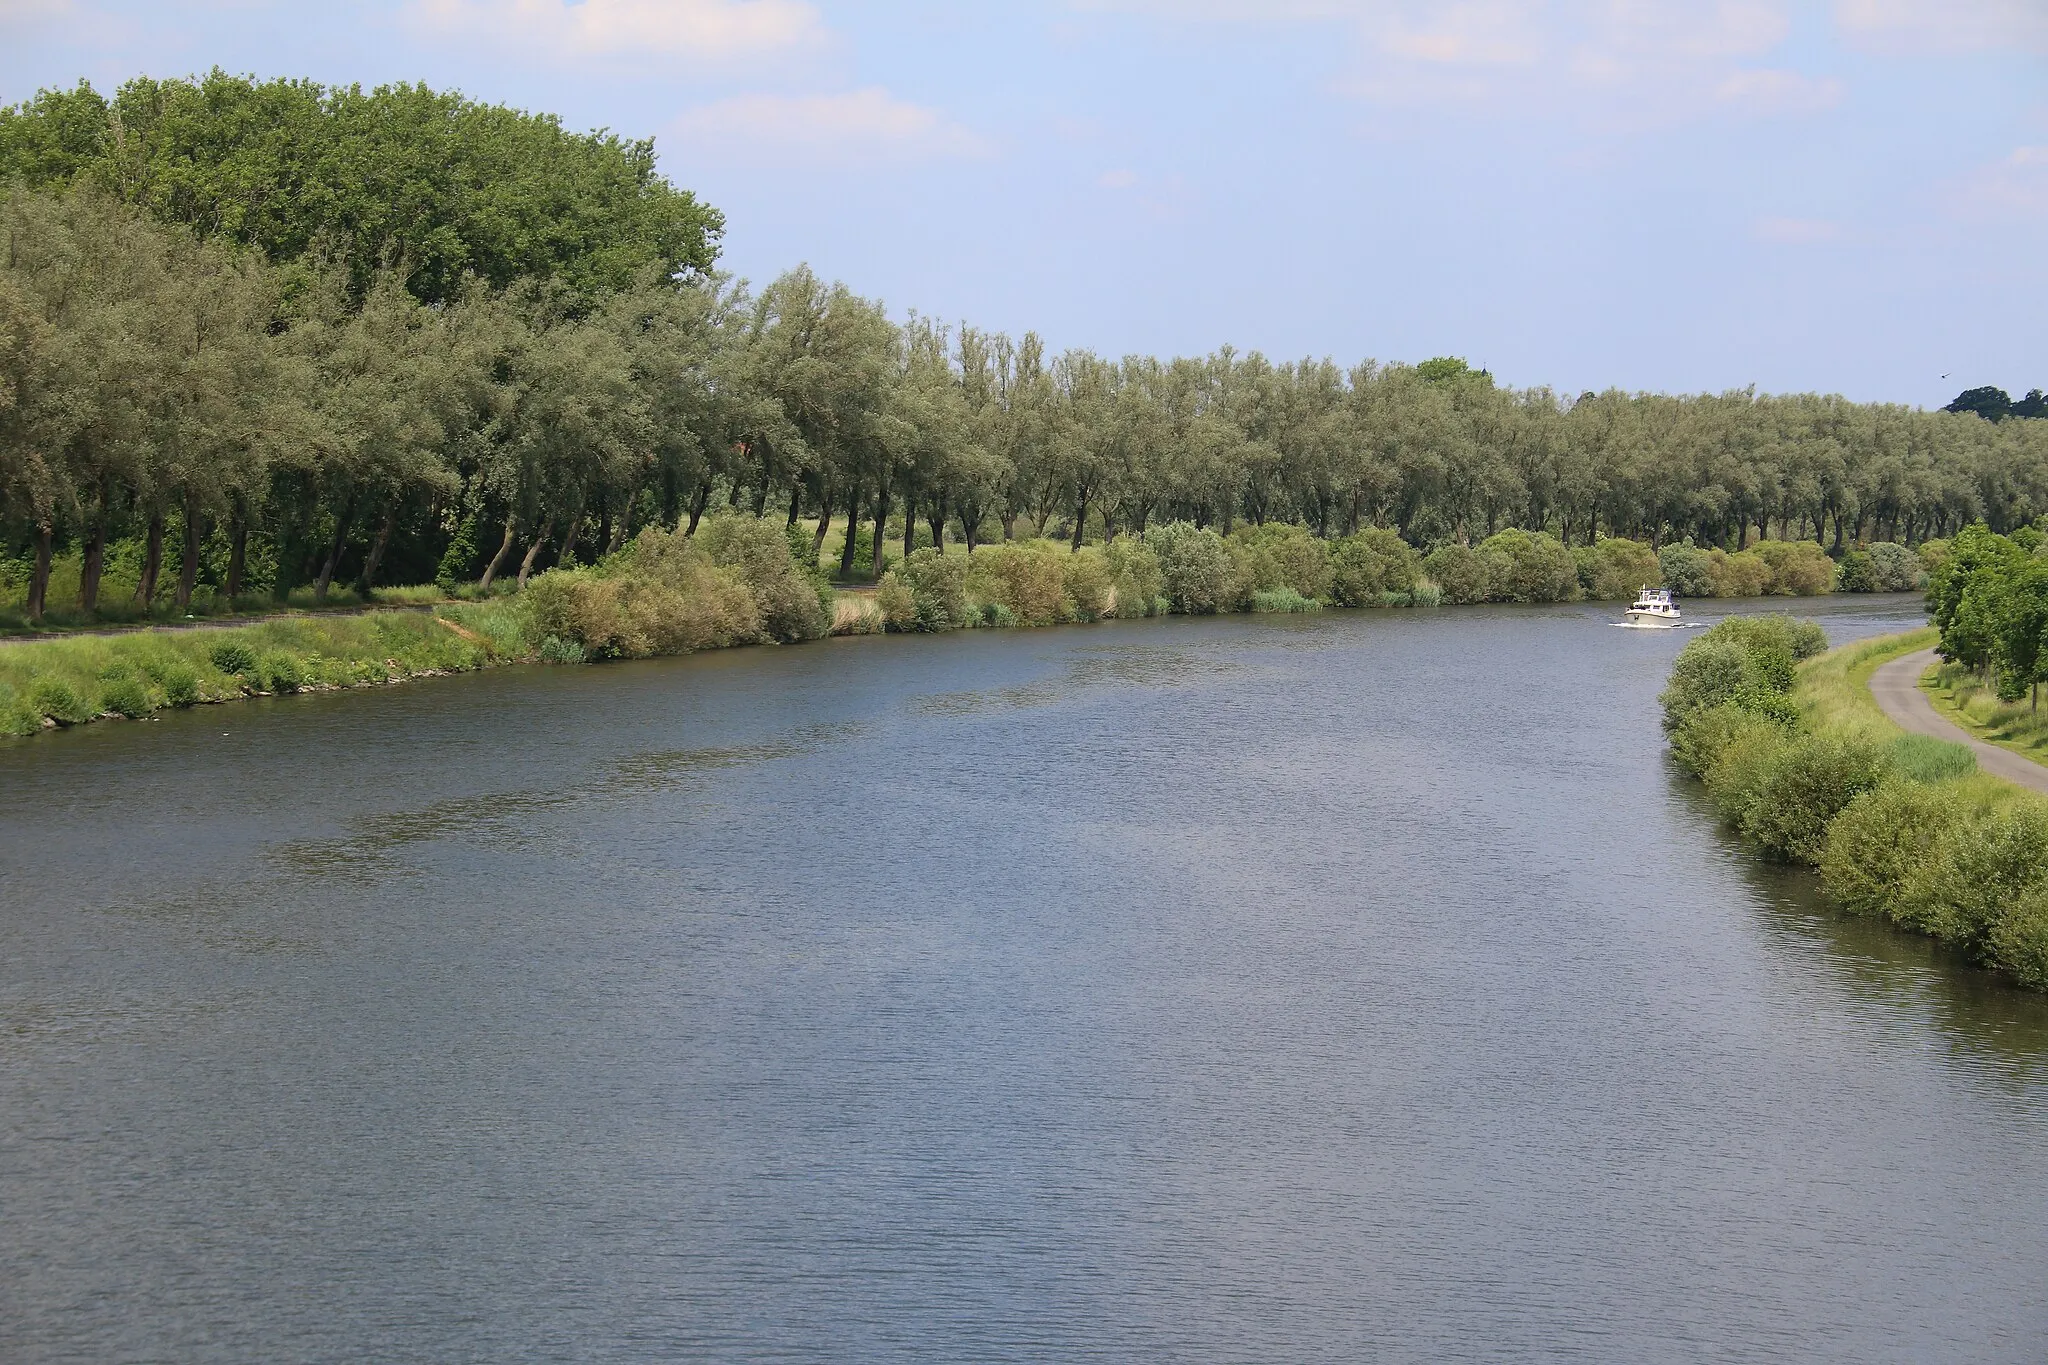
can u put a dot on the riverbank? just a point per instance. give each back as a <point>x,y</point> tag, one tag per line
<point>79,679</point>
<point>744,580</point>
<point>1801,760</point>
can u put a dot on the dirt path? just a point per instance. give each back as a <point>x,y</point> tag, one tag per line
<point>1896,685</point>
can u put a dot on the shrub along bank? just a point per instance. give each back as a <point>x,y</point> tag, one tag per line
<point>747,580</point>
<point>71,680</point>
<point>1799,760</point>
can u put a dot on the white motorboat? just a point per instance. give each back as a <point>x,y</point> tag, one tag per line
<point>1653,609</point>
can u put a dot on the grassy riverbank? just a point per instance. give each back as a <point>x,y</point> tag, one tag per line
<point>748,580</point>
<point>1963,695</point>
<point>1801,762</point>
<point>77,679</point>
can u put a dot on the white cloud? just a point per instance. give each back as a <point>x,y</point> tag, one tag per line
<point>1614,62</point>
<point>859,126</point>
<point>2014,187</point>
<point>1796,231</point>
<point>701,29</point>
<point>1117,180</point>
<point>1768,91</point>
<point>1914,27</point>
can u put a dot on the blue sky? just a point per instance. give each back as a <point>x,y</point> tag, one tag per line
<point>1848,196</point>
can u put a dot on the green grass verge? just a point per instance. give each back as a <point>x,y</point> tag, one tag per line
<point>78,679</point>
<point>1834,688</point>
<point>1964,698</point>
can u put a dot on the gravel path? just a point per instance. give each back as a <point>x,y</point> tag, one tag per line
<point>1896,685</point>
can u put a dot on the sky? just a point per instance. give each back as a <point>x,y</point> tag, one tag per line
<point>1846,196</point>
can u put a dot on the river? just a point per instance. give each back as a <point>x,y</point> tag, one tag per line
<point>1362,986</point>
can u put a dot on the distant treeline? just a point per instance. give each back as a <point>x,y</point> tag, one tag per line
<point>298,336</point>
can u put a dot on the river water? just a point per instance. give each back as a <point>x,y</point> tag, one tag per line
<point>1364,986</point>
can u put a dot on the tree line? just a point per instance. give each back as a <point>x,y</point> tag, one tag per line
<point>297,336</point>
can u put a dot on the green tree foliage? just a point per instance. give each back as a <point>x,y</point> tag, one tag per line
<point>445,187</point>
<point>1989,597</point>
<point>1196,572</point>
<point>269,336</point>
<point>1991,403</point>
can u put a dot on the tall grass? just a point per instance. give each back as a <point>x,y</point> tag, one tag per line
<point>1971,702</point>
<point>71,680</point>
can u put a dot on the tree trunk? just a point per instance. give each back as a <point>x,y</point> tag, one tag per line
<point>152,561</point>
<point>238,557</point>
<point>852,529</point>
<point>935,517</point>
<point>1009,525</point>
<point>1080,519</point>
<point>326,578</point>
<point>497,560</point>
<point>547,528</point>
<point>375,559</point>
<point>697,507</point>
<point>93,561</point>
<point>563,559</point>
<point>188,566</point>
<point>796,500</point>
<point>39,577</point>
<point>824,521</point>
<point>909,526</point>
<point>876,555</point>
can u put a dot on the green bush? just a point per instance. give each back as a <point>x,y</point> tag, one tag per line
<point>1367,567</point>
<point>1745,574</point>
<point>180,682</point>
<point>1135,579</point>
<point>125,695</point>
<point>927,591</point>
<point>232,658</point>
<point>2018,941</point>
<point>767,561</point>
<point>1980,865</point>
<point>1804,787</point>
<point>1744,763</point>
<point>57,699</point>
<point>1528,566</point>
<point>1028,577</point>
<point>1881,841</point>
<point>1459,574</point>
<point>1278,556</point>
<point>1858,574</point>
<point>662,594</point>
<point>1425,594</point>
<point>1706,673</point>
<point>1799,568</point>
<point>1613,569</point>
<point>1090,584</point>
<point>1284,600</point>
<point>1195,568</point>
<point>555,650</point>
<point>1894,568</point>
<point>1745,659</point>
<point>280,673</point>
<point>1686,570</point>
